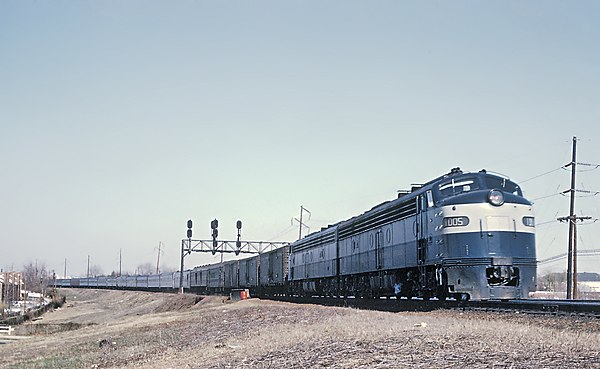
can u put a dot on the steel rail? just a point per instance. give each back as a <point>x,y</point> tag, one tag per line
<point>531,306</point>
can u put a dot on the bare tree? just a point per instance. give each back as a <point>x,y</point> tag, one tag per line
<point>95,270</point>
<point>35,276</point>
<point>168,269</point>
<point>146,268</point>
<point>552,282</point>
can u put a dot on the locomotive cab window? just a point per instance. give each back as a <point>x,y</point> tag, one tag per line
<point>456,186</point>
<point>504,185</point>
<point>430,202</point>
<point>424,201</point>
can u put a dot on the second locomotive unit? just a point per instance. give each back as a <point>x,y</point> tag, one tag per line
<point>462,235</point>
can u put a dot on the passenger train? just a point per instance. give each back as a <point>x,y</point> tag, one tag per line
<point>462,235</point>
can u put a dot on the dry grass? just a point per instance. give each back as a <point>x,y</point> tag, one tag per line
<point>441,339</point>
<point>263,334</point>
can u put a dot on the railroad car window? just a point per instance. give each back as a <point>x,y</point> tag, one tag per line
<point>503,184</point>
<point>429,199</point>
<point>455,187</point>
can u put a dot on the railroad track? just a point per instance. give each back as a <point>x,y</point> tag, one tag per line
<point>532,306</point>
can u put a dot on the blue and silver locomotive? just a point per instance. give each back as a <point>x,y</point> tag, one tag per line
<point>462,235</point>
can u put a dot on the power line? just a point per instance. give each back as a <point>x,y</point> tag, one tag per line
<point>591,252</point>
<point>548,196</point>
<point>285,231</point>
<point>548,222</point>
<point>541,175</point>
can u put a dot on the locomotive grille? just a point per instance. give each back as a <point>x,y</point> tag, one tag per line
<point>376,220</point>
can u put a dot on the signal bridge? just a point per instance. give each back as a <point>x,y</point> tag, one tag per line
<point>213,246</point>
<point>237,247</point>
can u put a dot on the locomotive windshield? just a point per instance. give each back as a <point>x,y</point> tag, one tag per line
<point>460,185</point>
<point>503,184</point>
<point>456,186</point>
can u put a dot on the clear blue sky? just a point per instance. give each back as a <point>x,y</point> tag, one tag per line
<point>120,120</point>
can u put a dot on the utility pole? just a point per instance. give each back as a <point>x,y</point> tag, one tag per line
<point>120,262</point>
<point>572,219</point>
<point>572,272</point>
<point>300,222</point>
<point>65,275</point>
<point>3,287</point>
<point>88,268</point>
<point>573,165</point>
<point>574,293</point>
<point>158,258</point>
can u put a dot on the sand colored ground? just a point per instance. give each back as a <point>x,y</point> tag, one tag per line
<point>116,329</point>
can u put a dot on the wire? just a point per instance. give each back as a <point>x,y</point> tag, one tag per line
<point>548,222</point>
<point>591,252</point>
<point>545,197</point>
<point>327,221</point>
<point>287,230</point>
<point>541,175</point>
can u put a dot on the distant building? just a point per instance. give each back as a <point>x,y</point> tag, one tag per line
<point>589,286</point>
<point>588,282</point>
<point>588,277</point>
<point>10,287</point>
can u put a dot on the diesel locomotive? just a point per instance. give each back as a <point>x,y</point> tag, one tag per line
<point>462,235</point>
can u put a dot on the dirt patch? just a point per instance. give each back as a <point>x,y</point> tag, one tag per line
<point>42,328</point>
<point>177,303</point>
<point>213,333</point>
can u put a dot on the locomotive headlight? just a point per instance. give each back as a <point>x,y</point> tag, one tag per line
<point>496,198</point>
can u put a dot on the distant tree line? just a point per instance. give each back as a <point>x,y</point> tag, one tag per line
<point>36,275</point>
<point>558,281</point>
<point>144,269</point>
